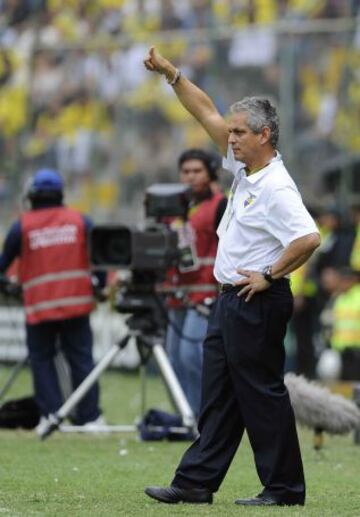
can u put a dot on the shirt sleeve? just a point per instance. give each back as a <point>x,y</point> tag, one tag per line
<point>12,246</point>
<point>287,217</point>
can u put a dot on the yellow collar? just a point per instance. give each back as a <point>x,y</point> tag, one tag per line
<point>249,173</point>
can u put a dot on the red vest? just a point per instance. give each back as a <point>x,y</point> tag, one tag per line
<point>54,266</point>
<point>202,220</point>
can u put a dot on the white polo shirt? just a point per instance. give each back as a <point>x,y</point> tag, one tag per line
<point>265,213</point>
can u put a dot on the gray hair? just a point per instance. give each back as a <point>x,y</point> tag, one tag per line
<point>260,113</point>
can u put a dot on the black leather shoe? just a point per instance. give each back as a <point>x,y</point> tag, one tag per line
<point>173,495</point>
<point>259,500</point>
<point>266,500</point>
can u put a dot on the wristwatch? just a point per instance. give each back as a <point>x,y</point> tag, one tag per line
<point>267,274</point>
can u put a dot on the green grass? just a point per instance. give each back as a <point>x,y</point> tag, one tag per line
<point>104,475</point>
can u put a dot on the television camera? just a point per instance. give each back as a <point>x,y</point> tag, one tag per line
<point>142,256</point>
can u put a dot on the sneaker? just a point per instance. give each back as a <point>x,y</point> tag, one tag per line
<point>42,426</point>
<point>95,425</point>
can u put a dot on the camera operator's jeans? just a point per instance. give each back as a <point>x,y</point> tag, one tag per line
<point>75,339</point>
<point>186,355</point>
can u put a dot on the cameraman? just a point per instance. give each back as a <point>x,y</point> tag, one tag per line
<point>51,242</point>
<point>194,275</point>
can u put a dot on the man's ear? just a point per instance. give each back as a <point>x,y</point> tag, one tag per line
<point>265,135</point>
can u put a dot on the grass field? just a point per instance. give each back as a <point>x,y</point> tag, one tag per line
<point>104,475</point>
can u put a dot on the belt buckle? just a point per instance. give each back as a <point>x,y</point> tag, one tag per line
<point>223,288</point>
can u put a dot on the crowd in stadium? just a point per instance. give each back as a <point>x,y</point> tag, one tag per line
<point>67,88</point>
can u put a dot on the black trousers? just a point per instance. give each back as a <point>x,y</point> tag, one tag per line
<point>243,388</point>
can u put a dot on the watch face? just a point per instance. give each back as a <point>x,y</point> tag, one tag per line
<point>267,274</point>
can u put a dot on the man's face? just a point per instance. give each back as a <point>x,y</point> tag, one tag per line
<point>195,174</point>
<point>245,144</point>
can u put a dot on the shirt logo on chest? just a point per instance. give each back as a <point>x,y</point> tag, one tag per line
<point>249,200</point>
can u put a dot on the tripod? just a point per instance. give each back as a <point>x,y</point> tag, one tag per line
<point>145,326</point>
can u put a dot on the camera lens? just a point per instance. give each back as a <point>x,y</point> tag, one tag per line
<point>118,249</point>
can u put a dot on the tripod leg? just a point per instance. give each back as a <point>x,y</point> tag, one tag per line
<point>56,419</point>
<point>13,374</point>
<point>64,375</point>
<point>173,385</point>
<point>143,389</point>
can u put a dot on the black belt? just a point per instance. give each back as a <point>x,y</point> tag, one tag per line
<point>225,288</point>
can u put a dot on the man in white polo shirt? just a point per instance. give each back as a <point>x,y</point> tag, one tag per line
<point>265,233</point>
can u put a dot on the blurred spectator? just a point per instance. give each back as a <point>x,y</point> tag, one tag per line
<point>304,322</point>
<point>334,253</point>
<point>345,336</point>
<point>355,251</point>
<point>47,78</point>
<point>254,45</point>
<point>337,240</point>
<point>194,275</point>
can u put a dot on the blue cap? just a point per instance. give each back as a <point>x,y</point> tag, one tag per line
<point>48,180</point>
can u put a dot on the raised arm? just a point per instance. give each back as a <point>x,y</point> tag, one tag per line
<point>194,100</point>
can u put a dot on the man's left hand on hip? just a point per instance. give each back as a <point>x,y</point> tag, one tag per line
<point>254,282</point>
